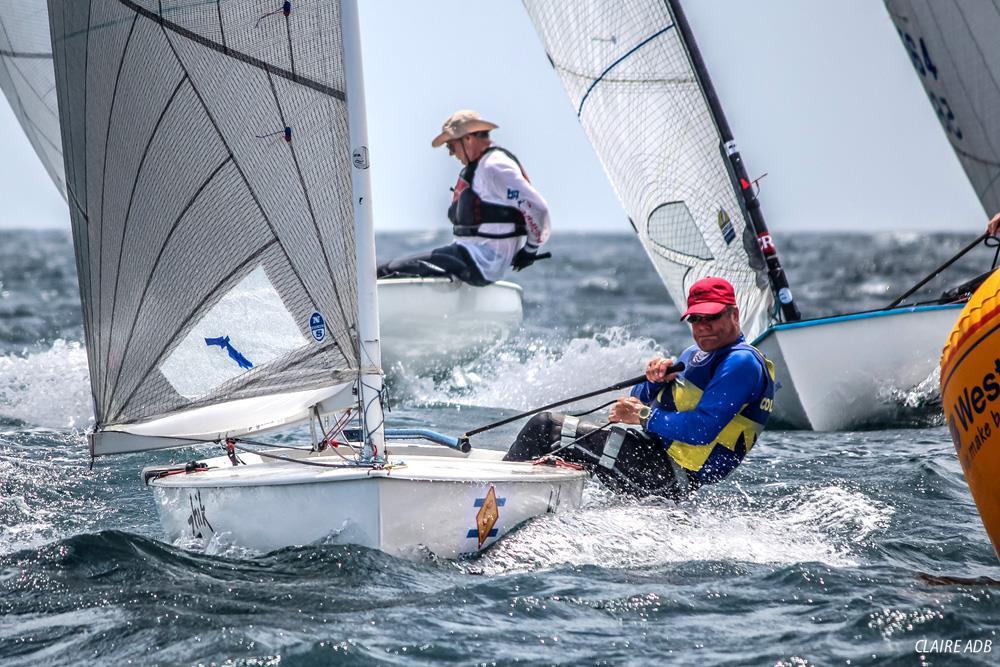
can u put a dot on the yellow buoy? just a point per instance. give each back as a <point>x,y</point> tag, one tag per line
<point>970,393</point>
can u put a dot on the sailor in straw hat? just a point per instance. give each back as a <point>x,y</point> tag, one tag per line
<point>498,218</point>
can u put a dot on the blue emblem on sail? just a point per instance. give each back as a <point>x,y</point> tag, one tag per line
<point>318,327</point>
<point>234,354</point>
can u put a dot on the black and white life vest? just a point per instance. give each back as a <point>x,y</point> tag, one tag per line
<point>468,211</point>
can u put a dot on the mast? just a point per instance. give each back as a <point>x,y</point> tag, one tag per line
<point>370,372</point>
<point>776,274</point>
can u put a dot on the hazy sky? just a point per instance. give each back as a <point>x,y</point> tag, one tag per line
<point>820,95</point>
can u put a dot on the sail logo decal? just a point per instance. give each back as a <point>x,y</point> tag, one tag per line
<point>700,357</point>
<point>317,325</point>
<point>726,226</point>
<point>234,354</point>
<point>197,520</point>
<point>360,157</point>
<point>766,243</point>
<point>486,517</point>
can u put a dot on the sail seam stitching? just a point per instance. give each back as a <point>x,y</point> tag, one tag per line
<point>104,182</point>
<point>237,55</point>
<point>239,169</point>
<point>109,391</point>
<point>159,256</point>
<point>617,62</point>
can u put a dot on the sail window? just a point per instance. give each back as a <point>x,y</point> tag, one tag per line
<point>248,327</point>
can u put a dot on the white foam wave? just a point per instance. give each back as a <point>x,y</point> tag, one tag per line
<point>524,375</point>
<point>827,524</point>
<point>49,388</point>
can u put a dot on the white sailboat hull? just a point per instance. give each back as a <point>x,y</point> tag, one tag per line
<point>429,321</point>
<point>838,373</point>
<point>429,499</point>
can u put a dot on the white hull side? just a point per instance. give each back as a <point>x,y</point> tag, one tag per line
<point>430,504</point>
<point>429,321</point>
<point>838,373</point>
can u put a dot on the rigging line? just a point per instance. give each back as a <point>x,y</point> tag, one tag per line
<point>288,33</point>
<point>125,224</point>
<point>616,62</point>
<point>309,207</point>
<point>239,169</point>
<point>305,462</point>
<point>156,263</point>
<point>184,323</point>
<point>238,55</point>
<point>958,70</point>
<point>23,54</point>
<point>222,27</point>
<point>97,303</point>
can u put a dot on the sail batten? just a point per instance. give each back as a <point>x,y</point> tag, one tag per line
<point>211,206</point>
<point>626,70</point>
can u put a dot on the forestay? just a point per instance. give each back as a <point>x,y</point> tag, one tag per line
<point>208,176</point>
<point>954,47</point>
<point>28,79</point>
<point>629,78</point>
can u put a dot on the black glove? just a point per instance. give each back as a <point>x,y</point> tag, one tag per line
<point>527,256</point>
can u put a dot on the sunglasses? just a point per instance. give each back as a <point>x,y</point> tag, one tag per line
<point>698,319</point>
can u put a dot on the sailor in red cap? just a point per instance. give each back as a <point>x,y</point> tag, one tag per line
<point>687,429</point>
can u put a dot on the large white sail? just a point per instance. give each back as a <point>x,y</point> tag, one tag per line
<point>955,49</point>
<point>208,163</point>
<point>27,78</point>
<point>629,77</point>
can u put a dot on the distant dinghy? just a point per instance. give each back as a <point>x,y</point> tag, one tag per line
<point>970,391</point>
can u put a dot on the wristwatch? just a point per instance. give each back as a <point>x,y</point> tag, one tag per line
<point>644,413</point>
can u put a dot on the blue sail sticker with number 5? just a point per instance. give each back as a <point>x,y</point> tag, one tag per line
<point>317,325</point>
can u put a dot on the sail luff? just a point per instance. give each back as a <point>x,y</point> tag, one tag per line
<point>743,185</point>
<point>370,381</point>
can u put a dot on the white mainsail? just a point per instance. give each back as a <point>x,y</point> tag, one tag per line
<point>27,78</point>
<point>208,163</point>
<point>629,77</point>
<point>955,49</point>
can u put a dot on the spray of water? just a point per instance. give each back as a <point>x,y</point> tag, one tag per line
<point>526,373</point>
<point>49,388</point>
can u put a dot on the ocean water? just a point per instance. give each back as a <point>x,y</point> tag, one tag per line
<point>823,548</point>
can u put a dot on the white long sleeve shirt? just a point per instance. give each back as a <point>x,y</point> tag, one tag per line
<point>499,180</point>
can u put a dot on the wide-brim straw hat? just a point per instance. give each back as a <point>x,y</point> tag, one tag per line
<point>460,124</point>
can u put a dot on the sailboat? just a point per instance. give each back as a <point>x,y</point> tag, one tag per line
<point>643,95</point>
<point>428,322</point>
<point>217,172</point>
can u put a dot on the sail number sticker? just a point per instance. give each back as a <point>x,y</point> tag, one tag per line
<point>317,325</point>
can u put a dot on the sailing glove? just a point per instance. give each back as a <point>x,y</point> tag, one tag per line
<point>525,257</point>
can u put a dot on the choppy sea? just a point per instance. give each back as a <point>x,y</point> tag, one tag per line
<point>823,548</point>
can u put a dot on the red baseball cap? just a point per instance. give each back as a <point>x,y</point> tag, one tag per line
<point>709,296</point>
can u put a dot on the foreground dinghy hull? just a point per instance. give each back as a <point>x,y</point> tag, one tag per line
<point>425,502</point>
<point>427,322</point>
<point>839,373</point>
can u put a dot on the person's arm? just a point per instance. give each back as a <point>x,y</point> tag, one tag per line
<point>994,225</point>
<point>735,383</point>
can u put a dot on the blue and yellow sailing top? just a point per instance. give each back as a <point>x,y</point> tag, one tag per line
<point>713,413</point>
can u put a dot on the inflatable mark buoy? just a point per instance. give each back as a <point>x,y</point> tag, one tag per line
<point>970,394</point>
